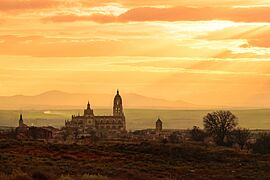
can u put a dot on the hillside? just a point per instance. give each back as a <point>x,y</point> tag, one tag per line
<point>61,100</point>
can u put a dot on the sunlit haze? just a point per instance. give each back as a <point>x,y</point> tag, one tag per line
<point>202,52</point>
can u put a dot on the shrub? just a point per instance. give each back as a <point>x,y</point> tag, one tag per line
<point>240,137</point>
<point>262,144</point>
<point>39,175</point>
<point>197,134</point>
<point>174,137</point>
<point>164,141</point>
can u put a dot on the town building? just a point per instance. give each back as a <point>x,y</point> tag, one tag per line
<point>25,132</point>
<point>159,134</point>
<point>22,129</point>
<point>158,126</point>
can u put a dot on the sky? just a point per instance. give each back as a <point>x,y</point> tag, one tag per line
<point>204,52</point>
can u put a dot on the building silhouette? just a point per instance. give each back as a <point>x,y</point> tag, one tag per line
<point>158,126</point>
<point>89,122</point>
<point>22,128</point>
<point>21,124</point>
<point>25,132</point>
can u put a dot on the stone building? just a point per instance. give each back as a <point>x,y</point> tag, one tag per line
<point>40,133</point>
<point>158,126</point>
<point>25,132</point>
<point>22,129</point>
<point>87,123</point>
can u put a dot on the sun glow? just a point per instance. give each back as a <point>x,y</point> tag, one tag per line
<point>181,48</point>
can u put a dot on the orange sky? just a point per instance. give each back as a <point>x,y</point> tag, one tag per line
<point>201,51</point>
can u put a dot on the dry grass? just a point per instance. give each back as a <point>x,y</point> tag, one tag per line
<point>25,176</point>
<point>83,177</point>
<point>189,160</point>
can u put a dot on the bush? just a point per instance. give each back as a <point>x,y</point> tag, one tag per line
<point>39,175</point>
<point>174,138</point>
<point>262,144</point>
<point>240,137</point>
<point>197,134</point>
<point>164,141</point>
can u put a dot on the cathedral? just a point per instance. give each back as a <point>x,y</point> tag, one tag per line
<point>89,122</point>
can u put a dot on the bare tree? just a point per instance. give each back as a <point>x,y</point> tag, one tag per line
<point>219,124</point>
<point>241,137</point>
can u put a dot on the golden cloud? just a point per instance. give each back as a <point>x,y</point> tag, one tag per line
<point>18,5</point>
<point>256,36</point>
<point>252,14</point>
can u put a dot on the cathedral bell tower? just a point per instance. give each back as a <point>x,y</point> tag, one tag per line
<point>117,105</point>
<point>158,126</point>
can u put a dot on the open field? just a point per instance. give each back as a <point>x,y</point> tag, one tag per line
<point>187,160</point>
<point>138,118</point>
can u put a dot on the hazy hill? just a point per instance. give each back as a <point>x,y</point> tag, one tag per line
<point>58,99</point>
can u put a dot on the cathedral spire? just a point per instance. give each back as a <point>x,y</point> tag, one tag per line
<point>88,111</point>
<point>88,105</point>
<point>21,121</point>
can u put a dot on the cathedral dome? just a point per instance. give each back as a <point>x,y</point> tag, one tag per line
<point>117,105</point>
<point>117,96</point>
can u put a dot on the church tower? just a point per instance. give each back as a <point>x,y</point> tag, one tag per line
<point>158,126</point>
<point>21,121</point>
<point>117,105</point>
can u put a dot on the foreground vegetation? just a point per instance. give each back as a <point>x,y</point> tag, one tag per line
<point>115,160</point>
<point>44,176</point>
<point>221,127</point>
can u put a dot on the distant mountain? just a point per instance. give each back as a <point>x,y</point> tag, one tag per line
<point>62,100</point>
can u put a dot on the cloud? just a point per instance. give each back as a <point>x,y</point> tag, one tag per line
<point>252,14</point>
<point>39,46</point>
<point>99,18</point>
<point>243,55</point>
<point>256,36</point>
<point>19,5</point>
<point>158,3</point>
